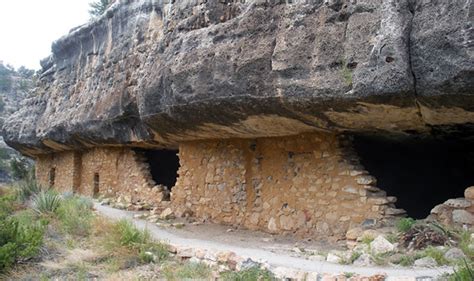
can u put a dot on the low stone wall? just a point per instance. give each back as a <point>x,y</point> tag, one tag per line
<point>309,184</point>
<point>111,172</point>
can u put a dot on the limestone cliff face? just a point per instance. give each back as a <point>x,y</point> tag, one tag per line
<point>161,72</point>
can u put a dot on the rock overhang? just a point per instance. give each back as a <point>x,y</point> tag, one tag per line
<point>155,73</point>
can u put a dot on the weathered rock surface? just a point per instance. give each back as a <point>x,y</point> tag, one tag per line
<point>153,73</point>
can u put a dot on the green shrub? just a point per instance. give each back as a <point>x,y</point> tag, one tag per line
<point>27,188</point>
<point>6,205</point>
<point>250,274</point>
<point>98,7</point>
<point>405,224</point>
<point>75,216</point>
<point>20,167</point>
<point>19,241</point>
<point>46,202</point>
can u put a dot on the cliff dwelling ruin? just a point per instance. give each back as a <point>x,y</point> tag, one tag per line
<point>306,118</point>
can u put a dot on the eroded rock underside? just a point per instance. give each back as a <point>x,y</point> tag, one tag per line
<point>183,74</point>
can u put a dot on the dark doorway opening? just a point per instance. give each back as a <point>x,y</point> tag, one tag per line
<point>164,165</point>
<point>421,172</point>
<point>52,177</point>
<point>96,185</point>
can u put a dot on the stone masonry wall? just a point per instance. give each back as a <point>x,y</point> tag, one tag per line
<point>62,165</point>
<point>309,184</point>
<point>119,172</point>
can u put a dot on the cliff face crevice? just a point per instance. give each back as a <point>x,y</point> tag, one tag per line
<point>159,73</point>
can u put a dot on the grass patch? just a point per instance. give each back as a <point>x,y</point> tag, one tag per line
<point>382,258</point>
<point>464,242</point>
<point>189,271</point>
<point>463,272</point>
<point>75,216</point>
<point>405,224</point>
<point>350,260</point>
<point>250,274</point>
<point>367,239</point>
<point>406,260</point>
<point>436,254</point>
<point>349,274</point>
<point>392,238</point>
<point>128,245</point>
<point>346,73</point>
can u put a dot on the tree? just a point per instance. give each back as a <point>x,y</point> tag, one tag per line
<point>20,167</point>
<point>25,72</point>
<point>2,105</point>
<point>98,7</point>
<point>5,77</point>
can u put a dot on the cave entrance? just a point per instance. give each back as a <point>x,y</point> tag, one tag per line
<point>164,165</point>
<point>421,172</point>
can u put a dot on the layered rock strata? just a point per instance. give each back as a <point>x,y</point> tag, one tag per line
<point>162,72</point>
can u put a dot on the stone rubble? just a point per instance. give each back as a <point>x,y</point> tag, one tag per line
<point>457,212</point>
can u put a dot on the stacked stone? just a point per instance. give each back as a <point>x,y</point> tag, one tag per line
<point>311,185</point>
<point>457,212</point>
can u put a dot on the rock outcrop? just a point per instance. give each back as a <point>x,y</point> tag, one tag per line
<point>161,72</point>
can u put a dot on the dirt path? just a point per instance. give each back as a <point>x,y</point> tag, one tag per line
<point>263,254</point>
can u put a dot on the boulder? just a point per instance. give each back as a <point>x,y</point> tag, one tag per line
<point>425,262</point>
<point>364,260</point>
<point>272,227</point>
<point>167,214</point>
<point>459,203</point>
<point>354,233</point>
<point>469,193</point>
<point>333,258</point>
<point>463,217</point>
<point>454,254</point>
<point>380,245</point>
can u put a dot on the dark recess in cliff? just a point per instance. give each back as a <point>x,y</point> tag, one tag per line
<point>421,172</point>
<point>164,165</point>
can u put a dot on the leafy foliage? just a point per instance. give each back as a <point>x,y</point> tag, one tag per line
<point>20,239</point>
<point>98,7</point>
<point>5,77</point>
<point>405,224</point>
<point>20,167</point>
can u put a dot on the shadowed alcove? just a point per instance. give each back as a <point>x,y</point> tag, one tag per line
<point>164,165</point>
<point>420,171</point>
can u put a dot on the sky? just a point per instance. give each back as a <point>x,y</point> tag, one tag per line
<point>28,27</point>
